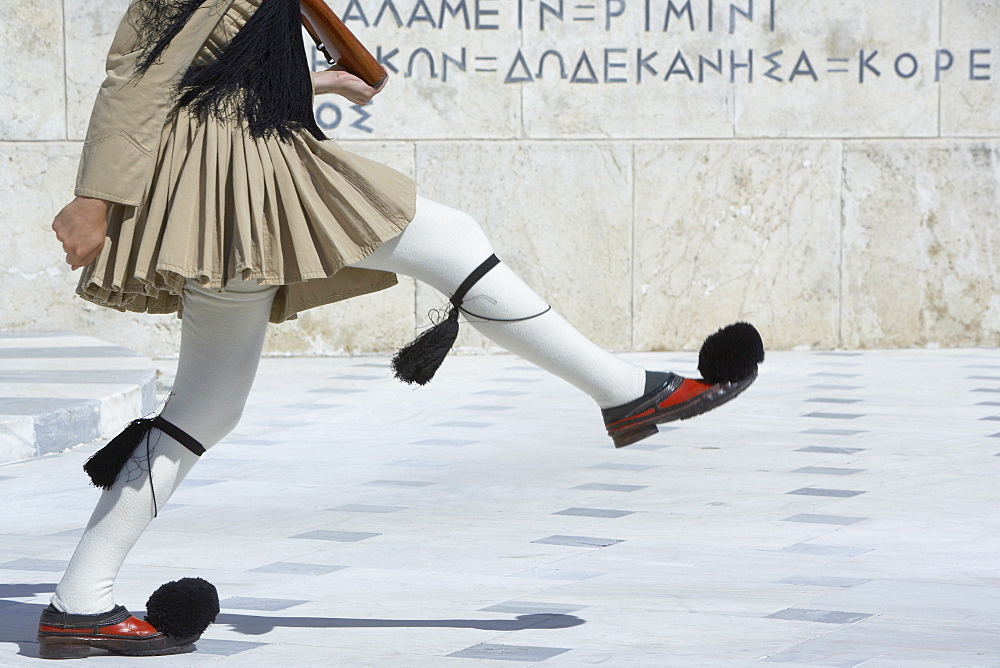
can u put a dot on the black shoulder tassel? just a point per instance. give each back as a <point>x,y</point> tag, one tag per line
<point>261,77</point>
<point>420,360</point>
<point>105,464</point>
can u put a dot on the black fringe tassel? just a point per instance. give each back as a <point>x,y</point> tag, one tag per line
<point>420,360</point>
<point>105,465</point>
<point>262,77</point>
<point>156,23</point>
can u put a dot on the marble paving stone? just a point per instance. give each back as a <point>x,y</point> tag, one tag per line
<point>823,616</point>
<point>313,407</point>
<point>557,574</point>
<point>200,482</point>
<point>337,536</point>
<point>509,652</point>
<point>614,466</point>
<point>986,389</point>
<point>834,432</point>
<point>737,252</point>
<point>834,374</point>
<point>50,565</point>
<point>830,449</point>
<point>454,442</point>
<point>827,470</point>
<point>811,518</point>
<point>67,352</point>
<point>822,581</point>
<point>477,407</point>
<point>363,508</point>
<point>426,463</point>
<point>648,446</point>
<point>226,647</point>
<point>116,377</point>
<point>251,603</point>
<point>609,487</point>
<point>819,491</point>
<point>834,416</point>
<point>533,607</point>
<point>828,386</point>
<point>398,483</point>
<point>831,550</point>
<point>336,390</point>
<point>832,400</point>
<point>76,533</point>
<point>501,393</point>
<point>578,541</point>
<point>594,512</point>
<point>291,568</point>
<point>465,424</point>
<point>991,417</point>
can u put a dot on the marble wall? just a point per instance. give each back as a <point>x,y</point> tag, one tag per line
<point>654,168</point>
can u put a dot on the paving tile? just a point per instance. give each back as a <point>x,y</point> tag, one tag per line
<point>823,581</point>
<point>988,403</point>
<point>834,416</point>
<point>819,491</point>
<point>293,568</point>
<point>252,603</point>
<point>557,574</point>
<point>829,550</point>
<point>357,376</point>
<point>835,432</point>
<point>398,483</point>
<point>835,374</point>
<point>419,463</point>
<point>337,536</point>
<point>624,467</point>
<point>609,487</point>
<point>74,533</point>
<point>833,386</point>
<point>812,518</point>
<point>465,424</point>
<point>501,393</point>
<point>827,470</point>
<point>336,390</point>
<point>225,647</point>
<point>363,508</point>
<point>594,512</point>
<point>509,652</point>
<point>993,418</point>
<point>822,616</point>
<point>832,400</point>
<point>313,407</point>
<point>533,608</point>
<point>200,482</point>
<point>75,377</point>
<point>482,407</point>
<point>648,446</point>
<point>578,541</point>
<point>452,442</point>
<point>830,449</point>
<point>67,352</point>
<point>47,565</point>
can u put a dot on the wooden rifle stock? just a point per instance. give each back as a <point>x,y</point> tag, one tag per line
<point>329,32</point>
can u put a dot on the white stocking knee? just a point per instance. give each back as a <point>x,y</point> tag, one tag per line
<point>442,246</point>
<point>221,341</point>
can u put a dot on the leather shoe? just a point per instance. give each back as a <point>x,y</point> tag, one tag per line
<point>678,398</point>
<point>65,636</point>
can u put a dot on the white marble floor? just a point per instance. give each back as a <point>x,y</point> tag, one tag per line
<point>842,512</point>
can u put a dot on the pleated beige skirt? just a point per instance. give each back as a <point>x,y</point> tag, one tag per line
<point>222,205</point>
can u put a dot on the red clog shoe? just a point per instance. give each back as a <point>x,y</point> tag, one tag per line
<point>678,398</point>
<point>65,636</point>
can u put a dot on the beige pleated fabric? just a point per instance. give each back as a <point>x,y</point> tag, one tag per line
<point>223,206</point>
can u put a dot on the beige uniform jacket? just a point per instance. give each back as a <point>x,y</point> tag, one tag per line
<point>120,150</point>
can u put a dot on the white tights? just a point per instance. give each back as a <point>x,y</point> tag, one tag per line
<point>221,341</point>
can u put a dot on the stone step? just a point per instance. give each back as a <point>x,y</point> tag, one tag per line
<point>60,389</point>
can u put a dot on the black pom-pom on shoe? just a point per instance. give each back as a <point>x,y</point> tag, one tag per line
<point>731,354</point>
<point>183,608</point>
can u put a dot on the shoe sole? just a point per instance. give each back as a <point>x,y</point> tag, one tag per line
<point>77,647</point>
<point>703,403</point>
